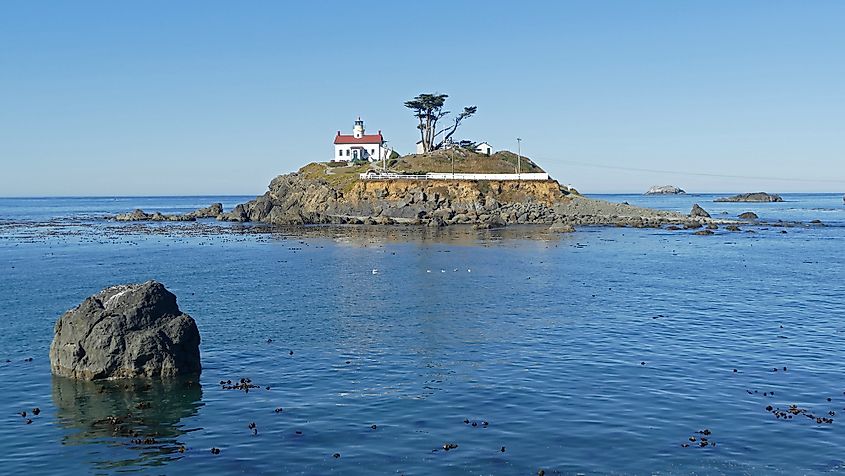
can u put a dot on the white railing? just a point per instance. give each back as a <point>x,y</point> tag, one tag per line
<point>449,176</point>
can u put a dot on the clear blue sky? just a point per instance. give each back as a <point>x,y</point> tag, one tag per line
<point>208,97</point>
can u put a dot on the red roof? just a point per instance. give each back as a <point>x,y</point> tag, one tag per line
<point>365,139</point>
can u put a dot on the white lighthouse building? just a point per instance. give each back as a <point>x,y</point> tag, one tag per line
<point>358,145</point>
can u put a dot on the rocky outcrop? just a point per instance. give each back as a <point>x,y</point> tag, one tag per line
<point>665,190</point>
<point>141,215</point>
<point>134,330</point>
<point>697,211</point>
<point>295,199</point>
<point>748,216</point>
<point>752,197</point>
<point>212,211</point>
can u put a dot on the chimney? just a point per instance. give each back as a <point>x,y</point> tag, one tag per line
<point>338,132</point>
<point>379,132</point>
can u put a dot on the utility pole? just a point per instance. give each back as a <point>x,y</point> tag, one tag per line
<point>518,157</point>
<point>452,156</point>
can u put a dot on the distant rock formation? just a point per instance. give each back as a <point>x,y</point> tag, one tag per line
<point>748,216</point>
<point>212,211</point>
<point>665,190</point>
<point>133,330</point>
<point>751,197</point>
<point>697,211</point>
<point>140,215</point>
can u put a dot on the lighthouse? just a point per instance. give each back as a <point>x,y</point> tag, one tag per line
<point>358,146</point>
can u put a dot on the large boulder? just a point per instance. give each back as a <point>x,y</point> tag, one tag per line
<point>748,216</point>
<point>665,190</point>
<point>132,330</point>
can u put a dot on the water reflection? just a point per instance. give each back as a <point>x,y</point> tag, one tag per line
<point>134,423</point>
<point>462,235</point>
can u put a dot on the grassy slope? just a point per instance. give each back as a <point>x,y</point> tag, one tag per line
<point>343,178</point>
<point>502,162</point>
<point>340,178</point>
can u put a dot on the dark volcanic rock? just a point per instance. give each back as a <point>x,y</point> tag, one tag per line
<point>751,197</point>
<point>748,216</point>
<point>133,330</point>
<point>697,211</point>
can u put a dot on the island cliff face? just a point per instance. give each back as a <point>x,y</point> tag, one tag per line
<point>295,199</point>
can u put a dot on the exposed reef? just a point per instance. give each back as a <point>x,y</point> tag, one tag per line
<point>751,197</point>
<point>212,211</point>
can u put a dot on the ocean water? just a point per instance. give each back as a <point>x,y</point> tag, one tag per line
<point>598,352</point>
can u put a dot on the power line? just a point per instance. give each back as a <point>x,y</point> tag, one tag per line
<point>697,174</point>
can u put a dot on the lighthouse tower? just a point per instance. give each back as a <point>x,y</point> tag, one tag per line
<point>358,130</point>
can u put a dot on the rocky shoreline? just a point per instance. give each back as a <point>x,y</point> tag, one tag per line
<point>300,198</point>
<point>294,199</point>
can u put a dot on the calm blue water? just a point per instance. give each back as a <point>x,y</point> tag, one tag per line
<point>597,352</point>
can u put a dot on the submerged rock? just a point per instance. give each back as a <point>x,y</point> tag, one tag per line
<point>665,190</point>
<point>133,330</point>
<point>559,227</point>
<point>697,211</point>
<point>751,197</point>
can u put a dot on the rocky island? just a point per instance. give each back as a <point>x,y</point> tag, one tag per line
<point>751,197</point>
<point>665,190</point>
<point>326,193</point>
